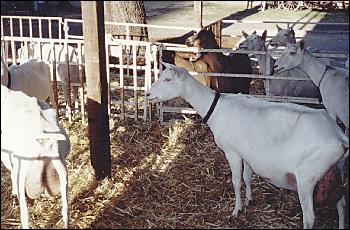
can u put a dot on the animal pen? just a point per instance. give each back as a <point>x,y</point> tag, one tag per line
<point>131,72</point>
<point>129,75</point>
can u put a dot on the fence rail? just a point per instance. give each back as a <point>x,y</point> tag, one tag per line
<point>132,72</point>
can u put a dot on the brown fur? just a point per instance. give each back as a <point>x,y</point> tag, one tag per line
<point>197,66</point>
<point>329,189</point>
<point>217,62</point>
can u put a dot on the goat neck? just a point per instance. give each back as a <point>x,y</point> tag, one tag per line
<point>198,95</point>
<point>312,67</point>
<point>262,59</point>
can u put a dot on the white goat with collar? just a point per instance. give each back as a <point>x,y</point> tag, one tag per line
<point>333,82</point>
<point>290,140</point>
<point>33,144</point>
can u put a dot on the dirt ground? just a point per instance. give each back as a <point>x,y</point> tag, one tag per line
<point>171,176</point>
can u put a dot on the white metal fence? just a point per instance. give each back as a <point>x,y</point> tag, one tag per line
<point>129,72</point>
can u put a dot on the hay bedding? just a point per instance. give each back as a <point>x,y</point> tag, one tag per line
<point>162,177</point>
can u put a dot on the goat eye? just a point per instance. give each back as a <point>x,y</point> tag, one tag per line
<point>167,79</point>
<point>292,52</point>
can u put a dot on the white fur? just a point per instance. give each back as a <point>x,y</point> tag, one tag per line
<point>33,50</point>
<point>292,88</point>
<point>286,36</point>
<point>334,87</point>
<point>32,78</point>
<point>272,139</point>
<point>30,132</point>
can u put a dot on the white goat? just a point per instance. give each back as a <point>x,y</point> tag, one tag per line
<point>286,36</point>
<point>32,78</point>
<point>333,82</point>
<point>293,147</point>
<point>33,144</point>
<point>33,50</point>
<point>292,88</point>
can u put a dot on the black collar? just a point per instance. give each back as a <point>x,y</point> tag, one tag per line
<point>8,79</point>
<point>212,107</point>
<point>324,73</point>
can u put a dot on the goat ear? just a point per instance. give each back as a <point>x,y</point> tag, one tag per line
<point>167,65</point>
<point>302,44</point>
<point>245,35</point>
<point>278,28</point>
<point>292,31</point>
<point>181,72</point>
<point>254,32</point>
<point>264,35</point>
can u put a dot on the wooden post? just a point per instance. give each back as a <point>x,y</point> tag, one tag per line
<point>198,12</point>
<point>97,100</point>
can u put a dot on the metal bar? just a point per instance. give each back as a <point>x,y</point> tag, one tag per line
<point>250,76</point>
<point>159,106</point>
<point>294,22</point>
<point>20,28</point>
<point>40,29</point>
<point>118,66</point>
<point>148,75</point>
<point>179,110</point>
<point>13,52</point>
<point>2,27</point>
<point>220,33</point>
<point>121,82</point>
<point>50,32</point>
<point>76,37</point>
<point>59,28</point>
<point>135,81</point>
<point>126,87</point>
<point>41,39</point>
<point>68,94</point>
<point>81,79</point>
<point>11,27</point>
<point>30,28</point>
<point>32,17</point>
<point>6,53</point>
<point>267,81</point>
<point>40,51</point>
<point>54,77</point>
<point>27,49</point>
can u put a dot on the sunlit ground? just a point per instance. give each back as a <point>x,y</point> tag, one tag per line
<point>162,177</point>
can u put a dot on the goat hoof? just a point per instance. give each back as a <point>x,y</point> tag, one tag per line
<point>15,201</point>
<point>13,196</point>
<point>30,201</point>
<point>234,215</point>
